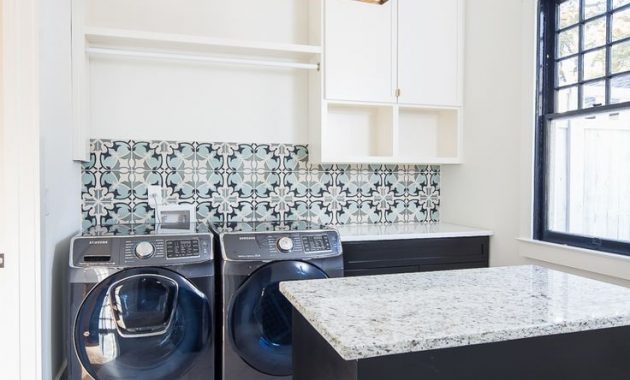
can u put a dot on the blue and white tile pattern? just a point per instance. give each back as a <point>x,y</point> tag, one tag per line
<point>243,182</point>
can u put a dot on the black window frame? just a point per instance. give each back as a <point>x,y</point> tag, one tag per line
<point>546,112</point>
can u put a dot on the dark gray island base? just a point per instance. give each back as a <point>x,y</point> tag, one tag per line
<point>593,355</point>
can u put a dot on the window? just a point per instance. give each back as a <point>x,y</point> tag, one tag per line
<point>582,194</point>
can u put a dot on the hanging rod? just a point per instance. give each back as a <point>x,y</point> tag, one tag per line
<point>198,58</point>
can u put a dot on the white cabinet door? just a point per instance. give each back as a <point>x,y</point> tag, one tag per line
<point>429,52</point>
<point>359,51</point>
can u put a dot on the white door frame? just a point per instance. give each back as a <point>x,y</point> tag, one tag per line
<point>20,280</point>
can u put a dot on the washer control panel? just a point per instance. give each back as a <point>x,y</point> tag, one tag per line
<point>279,245</point>
<point>316,243</point>
<point>149,250</point>
<point>176,249</point>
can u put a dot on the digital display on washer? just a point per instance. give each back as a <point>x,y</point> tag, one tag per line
<point>316,243</point>
<point>182,248</point>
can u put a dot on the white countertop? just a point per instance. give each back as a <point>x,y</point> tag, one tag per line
<point>370,316</point>
<point>400,231</point>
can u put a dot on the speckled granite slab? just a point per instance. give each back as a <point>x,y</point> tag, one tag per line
<point>403,231</point>
<point>364,317</point>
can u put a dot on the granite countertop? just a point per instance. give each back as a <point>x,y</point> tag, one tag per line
<point>399,231</point>
<point>371,316</point>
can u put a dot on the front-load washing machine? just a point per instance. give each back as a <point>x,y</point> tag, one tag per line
<point>256,318</point>
<point>141,304</point>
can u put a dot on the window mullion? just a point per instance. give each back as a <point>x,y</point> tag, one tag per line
<point>549,48</point>
<point>577,113</point>
<point>608,49</point>
<point>580,55</point>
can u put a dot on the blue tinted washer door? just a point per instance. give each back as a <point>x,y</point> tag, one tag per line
<point>259,319</point>
<point>142,323</point>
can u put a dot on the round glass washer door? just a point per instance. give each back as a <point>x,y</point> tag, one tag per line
<point>259,316</point>
<point>142,323</point>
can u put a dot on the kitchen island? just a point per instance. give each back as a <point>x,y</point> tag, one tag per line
<point>523,322</point>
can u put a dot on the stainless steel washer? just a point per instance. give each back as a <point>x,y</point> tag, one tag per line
<point>141,304</point>
<point>256,318</point>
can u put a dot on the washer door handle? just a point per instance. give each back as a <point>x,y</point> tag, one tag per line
<point>143,305</point>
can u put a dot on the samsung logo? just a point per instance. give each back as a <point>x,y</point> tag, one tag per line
<point>247,238</point>
<point>98,242</point>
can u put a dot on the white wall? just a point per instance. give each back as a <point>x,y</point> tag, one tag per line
<point>183,101</point>
<point>493,189</point>
<point>153,100</point>
<point>284,21</point>
<point>484,191</point>
<point>61,184</point>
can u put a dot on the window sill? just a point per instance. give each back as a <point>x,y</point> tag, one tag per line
<point>608,264</point>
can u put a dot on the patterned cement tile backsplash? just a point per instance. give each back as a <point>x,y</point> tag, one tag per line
<point>243,182</point>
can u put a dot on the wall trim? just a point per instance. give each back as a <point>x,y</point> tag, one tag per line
<point>21,192</point>
<point>607,264</point>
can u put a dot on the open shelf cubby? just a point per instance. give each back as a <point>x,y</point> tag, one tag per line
<point>359,133</point>
<point>430,135</point>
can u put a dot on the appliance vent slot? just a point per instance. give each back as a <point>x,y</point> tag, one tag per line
<point>96,259</point>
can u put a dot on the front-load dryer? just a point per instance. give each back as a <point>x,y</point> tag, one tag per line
<point>256,318</point>
<point>141,304</point>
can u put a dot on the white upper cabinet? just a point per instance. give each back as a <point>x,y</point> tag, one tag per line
<point>429,52</point>
<point>390,85</point>
<point>359,56</point>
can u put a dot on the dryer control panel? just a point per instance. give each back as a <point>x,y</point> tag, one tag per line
<point>144,250</point>
<point>280,245</point>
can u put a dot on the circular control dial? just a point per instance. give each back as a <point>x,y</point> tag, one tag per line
<point>144,250</point>
<point>285,244</point>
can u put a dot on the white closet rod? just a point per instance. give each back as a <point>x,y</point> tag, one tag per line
<point>198,58</point>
